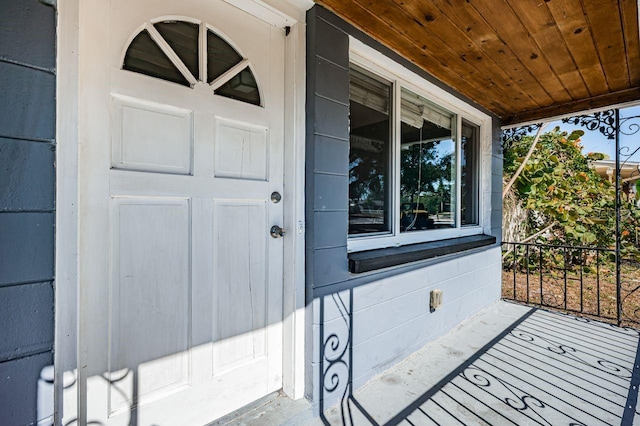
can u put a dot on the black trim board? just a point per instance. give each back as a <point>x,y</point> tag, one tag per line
<point>370,260</point>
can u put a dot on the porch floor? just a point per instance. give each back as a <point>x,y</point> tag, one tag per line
<point>508,365</point>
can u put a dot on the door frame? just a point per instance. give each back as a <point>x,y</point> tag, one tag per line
<point>70,66</point>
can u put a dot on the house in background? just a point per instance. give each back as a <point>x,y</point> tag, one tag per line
<point>629,175</point>
<point>208,201</point>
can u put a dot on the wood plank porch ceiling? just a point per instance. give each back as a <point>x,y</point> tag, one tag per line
<point>523,60</point>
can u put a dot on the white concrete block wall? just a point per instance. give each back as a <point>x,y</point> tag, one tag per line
<point>391,318</point>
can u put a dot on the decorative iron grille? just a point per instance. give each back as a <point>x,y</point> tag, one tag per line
<point>560,281</point>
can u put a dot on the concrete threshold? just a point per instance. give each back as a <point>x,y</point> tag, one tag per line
<point>273,409</point>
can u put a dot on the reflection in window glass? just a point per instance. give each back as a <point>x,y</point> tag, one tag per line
<point>242,87</point>
<point>427,165</point>
<point>469,182</point>
<point>369,154</point>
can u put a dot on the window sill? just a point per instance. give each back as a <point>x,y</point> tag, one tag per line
<point>371,260</point>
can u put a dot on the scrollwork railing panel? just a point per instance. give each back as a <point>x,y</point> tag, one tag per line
<point>336,331</point>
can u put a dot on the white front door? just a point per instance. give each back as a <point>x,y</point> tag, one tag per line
<point>181,148</point>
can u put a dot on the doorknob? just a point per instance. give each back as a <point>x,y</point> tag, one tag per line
<point>277,232</point>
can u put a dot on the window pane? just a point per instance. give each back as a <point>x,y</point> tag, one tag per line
<point>427,165</point>
<point>220,56</point>
<point>146,57</point>
<point>369,154</point>
<point>469,185</point>
<point>242,87</point>
<point>183,39</point>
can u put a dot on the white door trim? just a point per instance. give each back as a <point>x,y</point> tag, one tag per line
<point>69,146</point>
<point>66,244</point>
<point>294,215</point>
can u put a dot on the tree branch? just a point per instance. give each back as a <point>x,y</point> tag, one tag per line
<point>524,162</point>
<point>530,237</point>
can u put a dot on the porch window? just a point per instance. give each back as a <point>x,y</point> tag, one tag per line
<point>369,154</point>
<point>414,165</point>
<point>427,165</point>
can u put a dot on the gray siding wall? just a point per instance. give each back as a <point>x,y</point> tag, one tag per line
<point>27,190</point>
<point>327,145</point>
<point>371,320</point>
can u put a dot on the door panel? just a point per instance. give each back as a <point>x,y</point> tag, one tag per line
<point>240,282</point>
<point>151,137</point>
<point>150,303</point>
<point>242,150</point>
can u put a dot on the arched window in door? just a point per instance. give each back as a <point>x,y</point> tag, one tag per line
<point>172,50</point>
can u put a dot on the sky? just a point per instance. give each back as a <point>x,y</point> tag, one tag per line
<point>594,141</point>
